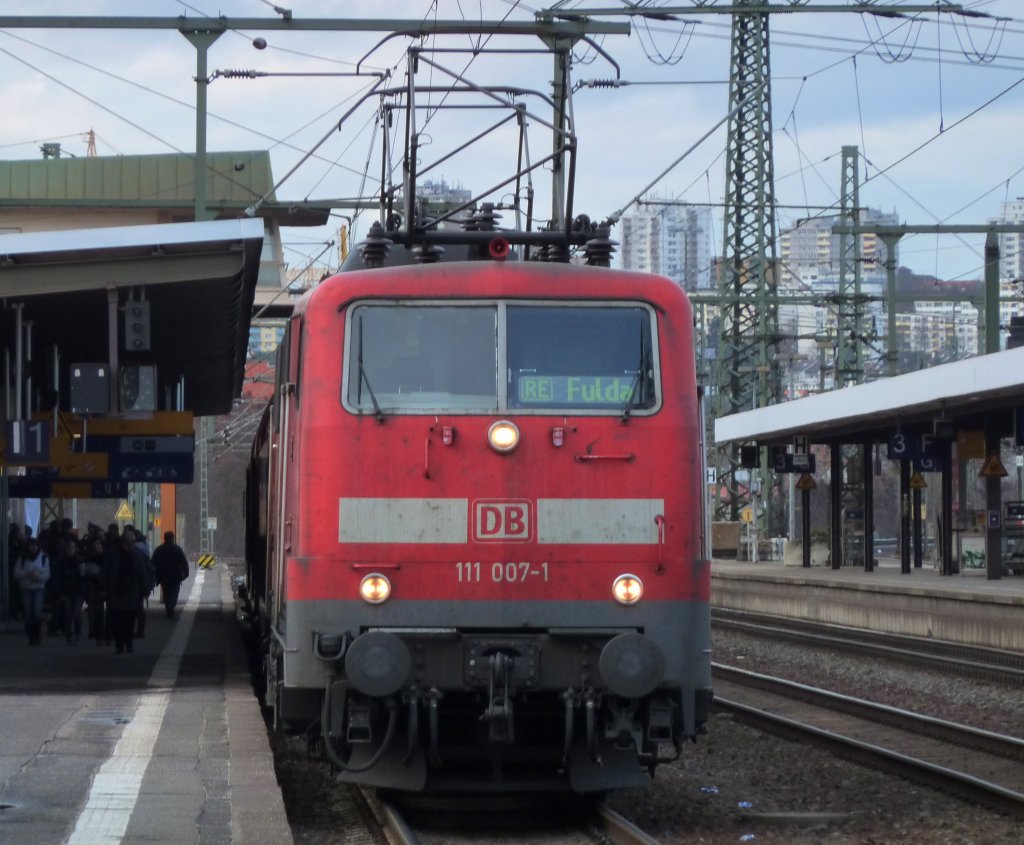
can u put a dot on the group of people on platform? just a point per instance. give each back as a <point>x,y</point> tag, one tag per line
<point>110,575</point>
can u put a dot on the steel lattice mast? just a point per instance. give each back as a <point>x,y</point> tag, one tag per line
<point>849,346</point>
<point>747,372</point>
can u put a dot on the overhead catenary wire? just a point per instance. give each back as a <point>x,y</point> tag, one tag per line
<point>918,52</point>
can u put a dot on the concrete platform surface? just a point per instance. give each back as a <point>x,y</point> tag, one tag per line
<point>166,744</point>
<point>964,608</point>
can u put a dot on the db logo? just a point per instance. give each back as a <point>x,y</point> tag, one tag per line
<point>502,520</point>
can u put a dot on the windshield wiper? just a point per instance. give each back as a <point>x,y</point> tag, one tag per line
<point>639,380</point>
<point>364,378</point>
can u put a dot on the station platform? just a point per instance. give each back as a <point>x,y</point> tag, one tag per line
<point>966,608</point>
<point>165,744</point>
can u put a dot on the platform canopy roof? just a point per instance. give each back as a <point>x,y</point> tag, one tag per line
<point>164,182</point>
<point>199,279</point>
<point>966,392</point>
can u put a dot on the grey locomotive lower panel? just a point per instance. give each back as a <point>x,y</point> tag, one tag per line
<point>680,630</point>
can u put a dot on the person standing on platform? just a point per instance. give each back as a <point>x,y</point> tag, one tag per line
<point>70,587</point>
<point>15,552</point>
<point>171,566</point>
<point>32,572</point>
<point>95,587</point>
<point>142,547</point>
<point>127,581</point>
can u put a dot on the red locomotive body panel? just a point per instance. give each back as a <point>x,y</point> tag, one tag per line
<point>520,548</point>
<point>341,456</point>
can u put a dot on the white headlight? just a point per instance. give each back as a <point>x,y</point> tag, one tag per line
<point>375,588</point>
<point>503,436</point>
<point>627,589</point>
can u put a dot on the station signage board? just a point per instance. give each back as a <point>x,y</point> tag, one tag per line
<point>45,487</point>
<point>150,447</point>
<point>903,445</point>
<point>26,442</point>
<point>783,461</point>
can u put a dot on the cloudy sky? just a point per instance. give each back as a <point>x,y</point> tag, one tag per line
<point>935,103</point>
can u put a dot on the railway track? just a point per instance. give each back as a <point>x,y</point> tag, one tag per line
<point>981,766</point>
<point>461,821</point>
<point>1006,667</point>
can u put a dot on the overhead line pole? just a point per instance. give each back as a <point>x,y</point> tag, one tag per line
<point>747,363</point>
<point>203,32</point>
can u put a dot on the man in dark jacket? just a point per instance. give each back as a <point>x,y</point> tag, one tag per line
<point>127,582</point>
<point>171,569</point>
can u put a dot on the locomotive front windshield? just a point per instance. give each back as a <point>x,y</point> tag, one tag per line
<point>415,357</point>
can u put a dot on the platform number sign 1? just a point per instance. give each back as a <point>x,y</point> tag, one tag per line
<point>28,442</point>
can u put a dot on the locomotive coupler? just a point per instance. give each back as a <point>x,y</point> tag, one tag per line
<point>499,708</point>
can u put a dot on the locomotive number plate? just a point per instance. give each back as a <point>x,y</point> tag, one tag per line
<point>500,572</point>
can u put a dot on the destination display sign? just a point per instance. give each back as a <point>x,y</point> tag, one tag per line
<point>139,423</point>
<point>576,390</point>
<point>172,468</point>
<point>138,458</point>
<point>43,487</point>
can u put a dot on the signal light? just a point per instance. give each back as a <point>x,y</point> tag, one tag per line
<point>136,325</point>
<point>498,249</point>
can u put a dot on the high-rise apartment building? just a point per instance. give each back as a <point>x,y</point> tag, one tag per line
<point>673,240</point>
<point>1011,244</point>
<point>810,252</point>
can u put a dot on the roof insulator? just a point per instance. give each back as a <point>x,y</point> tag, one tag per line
<point>599,248</point>
<point>376,247</point>
<point>557,253</point>
<point>484,220</point>
<point>428,253</point>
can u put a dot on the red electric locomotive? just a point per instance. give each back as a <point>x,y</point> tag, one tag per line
<point>476,526</point>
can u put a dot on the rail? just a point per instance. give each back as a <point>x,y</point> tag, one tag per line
<point>982,766</point>
<point>966,660</point>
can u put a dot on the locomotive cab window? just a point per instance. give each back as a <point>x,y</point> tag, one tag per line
<point>416,357</point>
<point>421,357</point>
<point>580,358</point>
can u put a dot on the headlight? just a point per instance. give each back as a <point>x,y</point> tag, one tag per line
<point>375,588</point>
<point>627,589</point>
<point>503,436</point>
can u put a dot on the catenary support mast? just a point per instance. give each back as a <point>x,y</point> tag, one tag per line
<point>747,373</point>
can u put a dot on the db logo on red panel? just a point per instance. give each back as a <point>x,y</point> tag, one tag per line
<point>502,520</point>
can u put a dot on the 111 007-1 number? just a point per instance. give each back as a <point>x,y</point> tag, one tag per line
<point>512,572</point>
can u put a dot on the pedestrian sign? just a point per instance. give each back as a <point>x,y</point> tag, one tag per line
<point>124,512</point>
